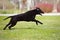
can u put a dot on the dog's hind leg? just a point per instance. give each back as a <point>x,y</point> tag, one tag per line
<point>13,24</point>
<point>6,26</point>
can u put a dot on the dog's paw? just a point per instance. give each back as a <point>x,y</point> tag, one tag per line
<point>41,23</point>
<point>4,28</point>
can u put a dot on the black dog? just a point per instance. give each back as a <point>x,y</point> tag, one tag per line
<point>27,16</point>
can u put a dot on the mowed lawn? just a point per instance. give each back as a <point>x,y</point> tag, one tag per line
<point>50,30</point>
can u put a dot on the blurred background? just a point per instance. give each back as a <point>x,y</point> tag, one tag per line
<point>17,6</point>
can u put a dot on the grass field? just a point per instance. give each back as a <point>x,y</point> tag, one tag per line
<point>50,30</point>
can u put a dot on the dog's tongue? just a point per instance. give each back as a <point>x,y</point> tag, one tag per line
<point>45,7</point>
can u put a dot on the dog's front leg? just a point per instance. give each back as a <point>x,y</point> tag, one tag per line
<point>37,22</point>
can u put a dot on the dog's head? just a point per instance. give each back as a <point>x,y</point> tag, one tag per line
<point>39,11</point>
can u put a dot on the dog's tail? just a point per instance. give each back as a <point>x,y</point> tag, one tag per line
<point>7,18</point>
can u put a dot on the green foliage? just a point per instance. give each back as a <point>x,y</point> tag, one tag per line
<point>6,11</point>
<point>9,11</point>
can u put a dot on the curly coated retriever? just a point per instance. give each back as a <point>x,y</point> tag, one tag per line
<point>27,16</point>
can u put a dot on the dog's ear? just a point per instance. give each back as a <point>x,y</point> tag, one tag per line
<point>38,9</point>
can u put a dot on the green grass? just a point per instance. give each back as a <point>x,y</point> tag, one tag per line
<point>50,30</point>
